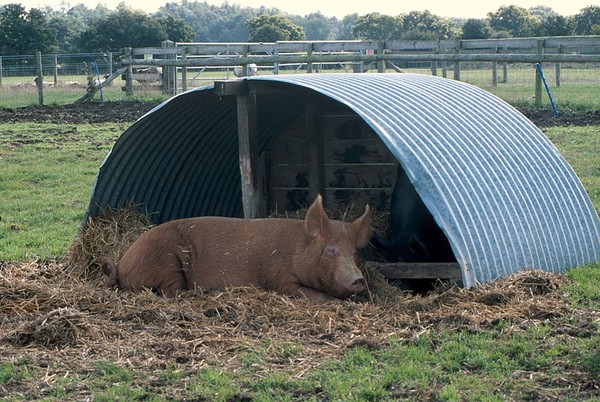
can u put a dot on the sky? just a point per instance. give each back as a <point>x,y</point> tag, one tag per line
<point>341,8</point>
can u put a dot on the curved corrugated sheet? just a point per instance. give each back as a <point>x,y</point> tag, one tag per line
<point>497,187</point>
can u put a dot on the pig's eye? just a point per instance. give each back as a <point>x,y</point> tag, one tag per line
<point>331,251</point>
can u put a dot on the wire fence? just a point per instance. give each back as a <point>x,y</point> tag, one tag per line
<point>68,77</point>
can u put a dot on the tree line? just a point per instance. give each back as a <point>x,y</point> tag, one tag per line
<point>80,29</point>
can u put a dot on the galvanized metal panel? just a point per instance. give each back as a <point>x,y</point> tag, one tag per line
<point>497,187</point>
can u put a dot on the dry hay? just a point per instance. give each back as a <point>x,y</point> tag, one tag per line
<point>107,236</point>
<point>61,314</point>
<point>48,312</point>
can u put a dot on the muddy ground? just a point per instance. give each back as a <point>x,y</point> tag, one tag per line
<point>124,111</point>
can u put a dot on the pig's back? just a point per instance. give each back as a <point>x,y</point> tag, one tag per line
<point>237,252</point>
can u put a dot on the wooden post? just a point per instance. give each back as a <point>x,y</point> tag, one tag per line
<point>252,198</point>
<point>381,51</point>
<point>169,79</point>
<point>504,69</point>
<point>276,53</point>
<point>495,72</point>
<point>110,64</point>
<point>55,70</point>
<point>457,51</point>
<point>434,64</point>
<point>40,77</point>
<point>309,53</point>
<point>184,82</point>
<point>0,71</point>
<point>128,54</point>
<point>316,156</point>
<point>557,67</point>
<point>538,79</point>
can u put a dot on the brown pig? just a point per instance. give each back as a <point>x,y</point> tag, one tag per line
<point>314,258</point>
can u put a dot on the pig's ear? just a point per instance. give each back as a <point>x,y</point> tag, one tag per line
<point>362,226</point>
<point>316,219</point>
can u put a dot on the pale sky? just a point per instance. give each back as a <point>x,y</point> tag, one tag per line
<point>340,8</point>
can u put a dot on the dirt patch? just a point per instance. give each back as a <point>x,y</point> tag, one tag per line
<point>126,111</point>
<point>546,118</point>
<point>88,112</point>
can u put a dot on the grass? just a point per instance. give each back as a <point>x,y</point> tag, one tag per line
<point>581,146</point>
<point>578,85</point>
<point>493,364</point>
<point>47,173</point>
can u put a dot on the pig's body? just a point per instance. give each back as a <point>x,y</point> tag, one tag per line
<point>312,258</point>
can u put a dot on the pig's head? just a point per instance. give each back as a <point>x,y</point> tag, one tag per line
<point>337,242</point>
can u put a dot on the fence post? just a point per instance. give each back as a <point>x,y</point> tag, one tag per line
<point>557,79</point>
<point>128,54</point>
<point>538,79</point>
<point>309,53</point>
<point>504,69</point>
<point>276,53</point>
<point>380,51</point>
<point>169,72</point>
<point>184,82</point>
<point>495,72</point>
<point>457,50</point>
<point>110,67</point>
<point>55,70</point>
<point>0,71</point>
<point>40,77</point>
<point>434,64</point>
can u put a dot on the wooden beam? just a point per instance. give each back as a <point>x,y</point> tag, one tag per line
<point>231,87</point>
<point>252,197</point>
<point>422,270</point>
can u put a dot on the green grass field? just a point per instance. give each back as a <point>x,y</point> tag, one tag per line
<point>46,175</point>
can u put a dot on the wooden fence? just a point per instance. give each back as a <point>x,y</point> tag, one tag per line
<point>176,58</point>
<point>171,62</point>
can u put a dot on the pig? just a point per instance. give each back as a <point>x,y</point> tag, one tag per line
<point>313,258</point>
<point>416,237</point>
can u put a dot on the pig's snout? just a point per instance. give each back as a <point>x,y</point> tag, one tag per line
<point>351,280</point>
<point>358,285</point>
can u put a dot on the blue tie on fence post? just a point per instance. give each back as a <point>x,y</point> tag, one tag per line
<point>99,82</point>
<point>539,69</point>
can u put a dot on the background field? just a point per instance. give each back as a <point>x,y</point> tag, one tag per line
<point>64,337</point>
<point>578,89</point>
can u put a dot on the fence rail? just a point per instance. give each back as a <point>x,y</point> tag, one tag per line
<point>173,63</point>
<point>178,57</point>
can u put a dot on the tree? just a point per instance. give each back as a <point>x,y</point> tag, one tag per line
<point>272,28</point>
<point>376,26</point>
<point>555,25</point>
<point>317,26</point>
<point>476,29</point>
<point>344,27</point>
<point>425,26</point>
<point>23,32</point>
<point>123,28</point>
<point>587,22</point>
<point>176,29</point>
<point>211,23</point>
<point>517,21</point>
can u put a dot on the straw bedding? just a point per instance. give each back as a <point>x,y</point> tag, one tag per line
<point>61,313</point>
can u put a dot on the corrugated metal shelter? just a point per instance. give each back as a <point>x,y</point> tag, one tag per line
<point>501,192</point>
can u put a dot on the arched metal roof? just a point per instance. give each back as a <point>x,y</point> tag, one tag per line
<point>497,187</point>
